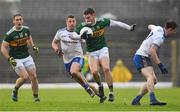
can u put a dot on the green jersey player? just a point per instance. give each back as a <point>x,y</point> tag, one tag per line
<point>15,50</point>
<point>97,48</point>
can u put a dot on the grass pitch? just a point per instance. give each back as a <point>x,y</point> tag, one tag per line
<point>79,100</point>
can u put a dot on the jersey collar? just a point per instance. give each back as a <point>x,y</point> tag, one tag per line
<point>68,30</point>
<point>94,23</point>
<point>14,28</point>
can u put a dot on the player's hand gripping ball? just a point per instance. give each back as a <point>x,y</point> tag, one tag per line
<point>86,33</point>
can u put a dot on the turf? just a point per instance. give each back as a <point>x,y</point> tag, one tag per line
<point>79,100</point>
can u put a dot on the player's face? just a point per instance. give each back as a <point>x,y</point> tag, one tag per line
<point>170,32</point>
<point>18,22</point>
<point>90,19</point>
<point>71,23</point>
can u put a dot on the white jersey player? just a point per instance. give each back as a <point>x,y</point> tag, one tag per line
<point>142,60</point>
<point>71,51</point>
<point>156,37</point>
<point>71,48</point>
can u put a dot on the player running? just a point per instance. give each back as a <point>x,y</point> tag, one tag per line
<point>15,50</point>
<point>97,48</point>
<point>149,49</point>
<point>66,46</point>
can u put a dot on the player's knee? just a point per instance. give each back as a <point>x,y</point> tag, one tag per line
<point>33,77</point>
<point>155,81</point>
<point>24,77</point>
<point>95,72</point>
<point>151,78</point>
<point>106,69</point>
<point>73,72</point>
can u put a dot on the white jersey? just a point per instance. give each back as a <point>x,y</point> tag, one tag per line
<point>70,47</point>
<point>156,36</point>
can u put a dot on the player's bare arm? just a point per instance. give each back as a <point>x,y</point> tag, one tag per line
<point>31,43</point>
<point>154,55</point>
<point>55,46</point>
<point>4,49</point>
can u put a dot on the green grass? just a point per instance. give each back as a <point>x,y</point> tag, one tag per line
<point>79,100</point>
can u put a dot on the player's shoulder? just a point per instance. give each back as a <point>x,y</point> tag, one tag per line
<point>158,29</point>
<point>83,24</point>
<point>10,31</point>
<point>159,33</point>
<point>60,30</point>
<point>26,27</point>
<point>102,19</point>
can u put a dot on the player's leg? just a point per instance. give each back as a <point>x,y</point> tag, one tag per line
<point>151,87</point>
<point>150,76</point>
<point>94,68</point>
<point>141,63</point>
<point>34,81</point>
<point>75,71</point>
<point>148,73</point>
<point>143,90</point>
<point>31,70</point>
<point>94,89</point>
<point>104,61</point>
<point>23,76</point>
<point>147,87</point>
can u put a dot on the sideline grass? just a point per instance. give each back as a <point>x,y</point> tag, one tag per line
<point>79,100</point>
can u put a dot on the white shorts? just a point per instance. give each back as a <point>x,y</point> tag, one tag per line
<point>99,53</point>
<point>24,63</point>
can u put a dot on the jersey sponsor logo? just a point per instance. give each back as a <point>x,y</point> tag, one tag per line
<point>26,34</point>
<point>19,42</point>
<point>66,41</point>
<point>98,27</point>
<point>98,33</point>
<point>16,37</point>
<point>21,35</point>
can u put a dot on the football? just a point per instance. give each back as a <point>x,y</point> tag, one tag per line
<point>89,30</point>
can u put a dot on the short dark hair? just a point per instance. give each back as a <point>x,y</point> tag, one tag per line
<point>89,11</point>
<point>17,15</point>
<point>70,16</point>
<point>171,24</point>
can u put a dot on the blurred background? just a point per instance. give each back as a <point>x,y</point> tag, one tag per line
<point>45,17</point>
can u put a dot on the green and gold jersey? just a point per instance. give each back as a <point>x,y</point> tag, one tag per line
<point>17,40</point>
<point>97,41</point>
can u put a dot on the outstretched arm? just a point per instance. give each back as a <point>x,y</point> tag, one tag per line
<point>122,25</point>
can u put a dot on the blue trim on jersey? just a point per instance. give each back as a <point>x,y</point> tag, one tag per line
<point>76,59</point>
<point>141,61</point>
